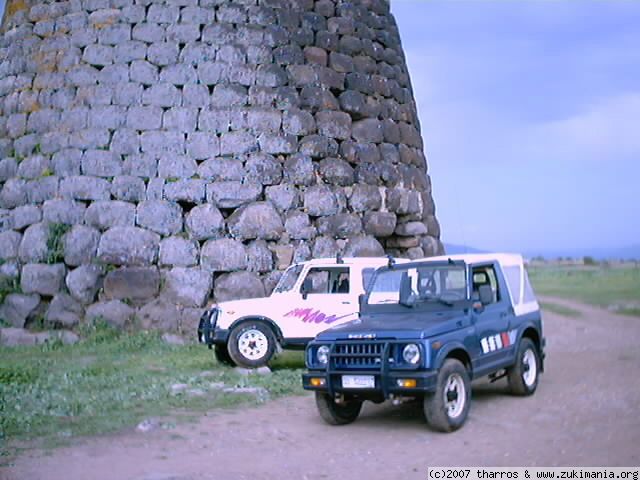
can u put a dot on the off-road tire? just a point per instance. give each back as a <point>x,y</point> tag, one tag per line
<point>452,377</point>
<point>245,333</point>
<point>222,355</point>
<point>521,382</point>
<point>337,413</point>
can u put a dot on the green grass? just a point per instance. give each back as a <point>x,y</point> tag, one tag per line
<point>113,380</point>
<point>560,309</point>
<point>616,287</point>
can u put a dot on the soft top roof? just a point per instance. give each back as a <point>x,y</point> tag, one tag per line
<point>373,261</point>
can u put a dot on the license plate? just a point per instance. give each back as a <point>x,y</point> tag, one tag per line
<point>358,381</point>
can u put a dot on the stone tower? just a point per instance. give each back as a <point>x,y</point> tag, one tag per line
<point>156,153</point>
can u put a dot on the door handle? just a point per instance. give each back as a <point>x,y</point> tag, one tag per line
<point>504,314</point>
<point>346,303</point>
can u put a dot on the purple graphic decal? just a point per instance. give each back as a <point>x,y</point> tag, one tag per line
<point>309,315</point>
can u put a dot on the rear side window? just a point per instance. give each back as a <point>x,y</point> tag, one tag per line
<point>529,295</point>
<point>512,274</point>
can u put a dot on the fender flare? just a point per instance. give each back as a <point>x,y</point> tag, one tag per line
<point>447,349</point>
<point>262,319</point>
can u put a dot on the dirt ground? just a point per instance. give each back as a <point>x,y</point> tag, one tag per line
<point>585,413</point>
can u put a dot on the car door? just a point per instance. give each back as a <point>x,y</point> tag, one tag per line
<point>328,302</point>
<point>492,321</point>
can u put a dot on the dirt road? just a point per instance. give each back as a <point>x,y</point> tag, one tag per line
<point>585,413</point>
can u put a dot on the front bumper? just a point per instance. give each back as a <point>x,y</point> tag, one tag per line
<point>208,333</point>
<point>386,385</point>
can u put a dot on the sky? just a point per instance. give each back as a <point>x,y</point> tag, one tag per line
<point>530,111</point>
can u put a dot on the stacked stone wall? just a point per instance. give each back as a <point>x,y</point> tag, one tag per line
<point>155,154</point>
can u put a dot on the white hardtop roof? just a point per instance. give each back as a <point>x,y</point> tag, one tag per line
<point>376,261</point>
<point>471,258</point>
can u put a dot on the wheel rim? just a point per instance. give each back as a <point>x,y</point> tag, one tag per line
<point>529,367</point>
<point>253,344</point>
<point>454,395</point>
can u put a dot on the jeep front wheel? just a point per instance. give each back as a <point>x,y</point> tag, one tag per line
<point>337,413</point>
<point>523,376</point>
<point>251,344</point>
<point>447,408</point>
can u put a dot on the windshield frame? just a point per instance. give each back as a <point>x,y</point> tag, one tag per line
<point>431,304</point>
<point>279,287</point>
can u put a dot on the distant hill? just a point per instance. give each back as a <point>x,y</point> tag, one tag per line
<point>621,253</point>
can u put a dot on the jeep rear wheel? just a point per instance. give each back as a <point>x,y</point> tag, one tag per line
<point>523,376</point>
<point>337,413</point>
<point>222,355</point>
<point>251,344</point>
<point>447,408</point>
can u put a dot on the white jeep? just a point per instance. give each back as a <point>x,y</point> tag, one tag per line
<point>309,298</point>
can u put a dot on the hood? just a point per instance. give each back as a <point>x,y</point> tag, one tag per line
<point>253,304</point>
<point>410,325</point>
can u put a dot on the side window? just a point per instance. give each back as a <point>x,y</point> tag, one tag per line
<point>329,280</point>
<point>529,296</point>
<point>512,274</point>
<point>485,275</point>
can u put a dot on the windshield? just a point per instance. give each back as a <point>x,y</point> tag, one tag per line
<point>288,279</point>
<point>428,283</point>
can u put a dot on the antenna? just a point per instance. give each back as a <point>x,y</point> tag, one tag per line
<point>339,259</point>
<point>391,262</point>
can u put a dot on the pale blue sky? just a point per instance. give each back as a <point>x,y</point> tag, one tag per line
<point>530,113</point>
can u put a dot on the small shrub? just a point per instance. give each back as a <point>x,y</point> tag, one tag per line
<point>54,242</point>
<point>587,260</point>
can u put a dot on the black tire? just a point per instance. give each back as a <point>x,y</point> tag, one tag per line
<point>440,408</point>
<point>337,413</point>
<point>247,347</point>
<point>222,355</point>
<point>523,375</point>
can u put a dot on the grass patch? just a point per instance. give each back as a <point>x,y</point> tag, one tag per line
<point>601,285</point>
<point>55,245</point>
<point>560,309</point>
<point>113,380</point>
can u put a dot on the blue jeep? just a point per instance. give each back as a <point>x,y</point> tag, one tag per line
<point>426,330</point>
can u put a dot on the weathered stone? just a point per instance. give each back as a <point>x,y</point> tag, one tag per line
<point>298,122</point>
<point>363,246</point>
<point>42,279</point>
<point>128,189</point>
<point>132,283</point>
<point>17,307</point>
<point>84,188</point>
<point>9,244</point>
<point>263,169</point>
<point>325,247</point>
<point>368,130</point>
<point>259,257</point>
<point>187,286</point>
<point>159,216</point>
<point>128,246</point>
<point>221,169</point>
<point>284,197</point>
<point>238,285</point>
<point>33,246</point>
<point>233,194</point>
<point>342,225</point>
<point>104,215</point>
<point>178,251</point>
<point>24,216</point>
<point>257,220</point>
<point>64,311</point>
<point>320,200</point>
<point>113,312</point>
<point>84,282</point>
<point>223,255</point>
<point>336,172</point>
<point>298,226</point>
<point>204,222</point>
<point>411,229</point>
<point>298,170</point>
<point>379,224</point>
<point>403,201</point>
<point>160,315</point>
<point>80,245</point>
<point>334,124</point>
<point>365,198</point>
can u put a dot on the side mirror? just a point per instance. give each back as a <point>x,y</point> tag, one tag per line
<point>486,294</point>
<point>361,298</point>
<point>407,298</point>
<point>307,286</point>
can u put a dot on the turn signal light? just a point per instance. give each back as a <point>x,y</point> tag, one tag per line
<point>407,383</point>
<point>317,382</point>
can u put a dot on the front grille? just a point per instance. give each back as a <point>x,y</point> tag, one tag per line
<point>358,355</point>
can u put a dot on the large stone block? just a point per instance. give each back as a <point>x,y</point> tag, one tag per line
<point>133,283</point>
<point>128,246</point>
<point>204,222</point>
<point>84,282</point>
<point>64,311</point>
<point>33,246</point>
<point>187,286</point>
<point>104,215</point>
<point>159,314</point>
<point>113,312</point>
<point>159,216</point>
<point>223,255</point>
<point>238,285</point>
<point>42,279</point>
<point>258,220</point>
<point>17,307</point>
<point>80,245</point>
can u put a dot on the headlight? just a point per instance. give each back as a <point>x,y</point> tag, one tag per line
<point>411,354</point>
<point>323,354</point>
